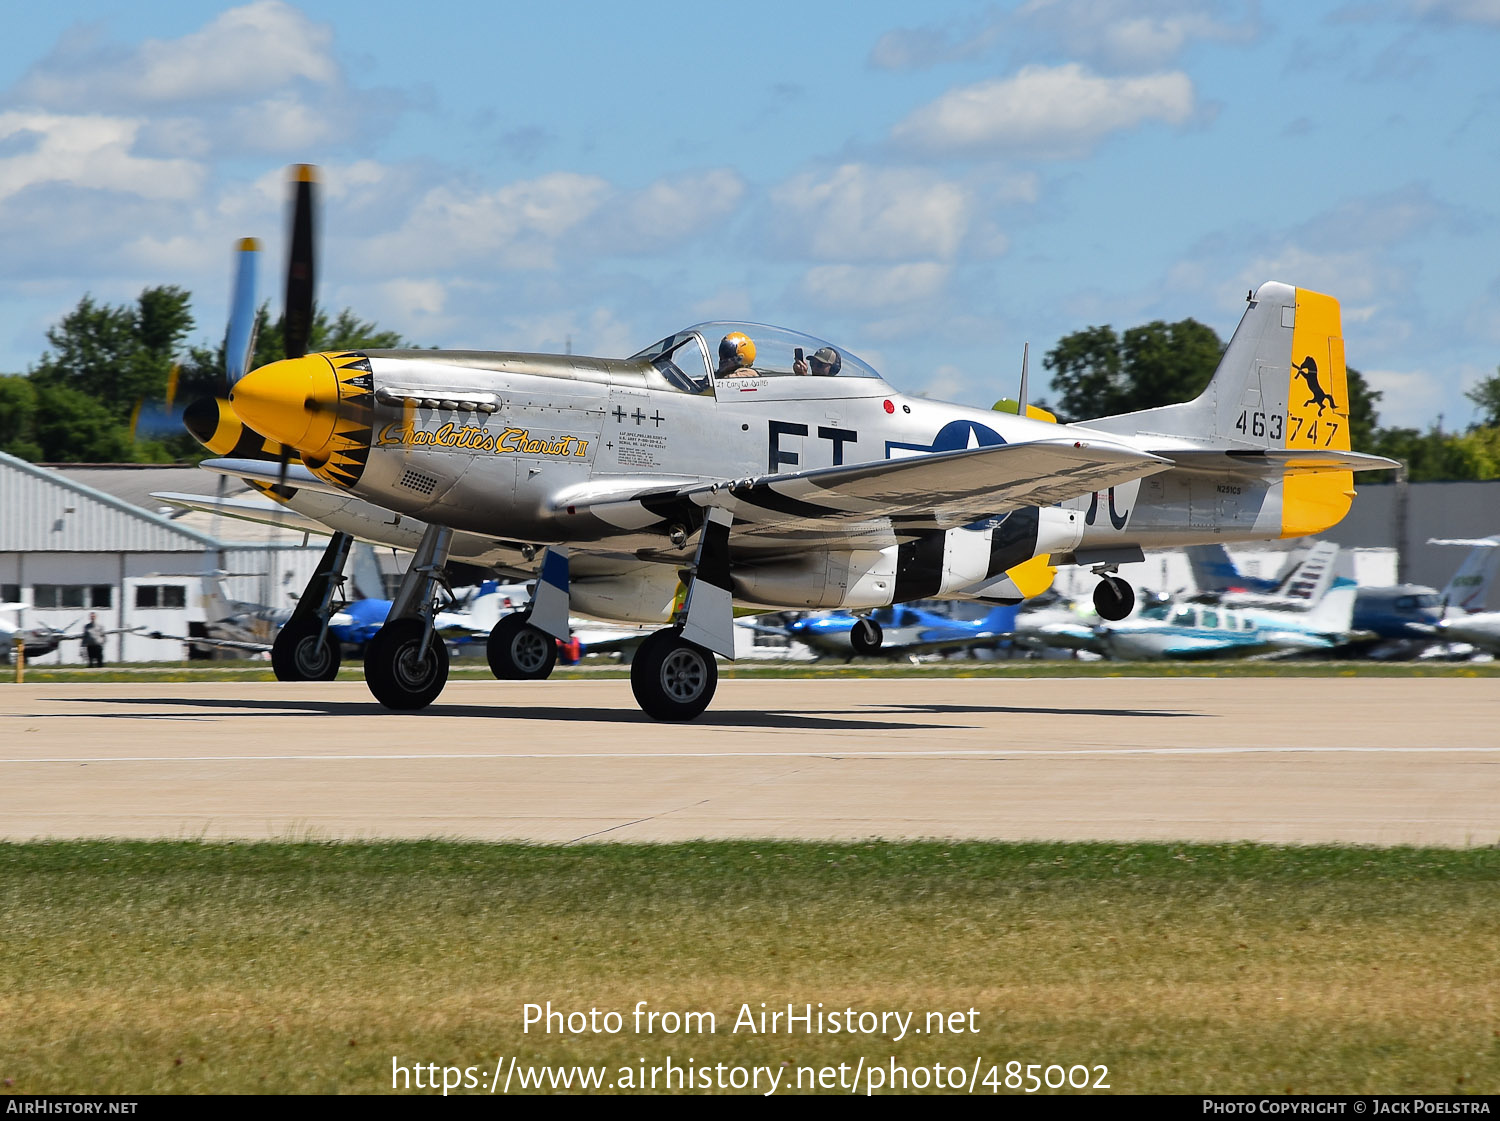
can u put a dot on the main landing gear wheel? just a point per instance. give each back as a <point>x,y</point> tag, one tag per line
<point>865,637</point>
<point>520,652</point>
<point>673,679</point>
<point>304,651</point>
<point>399,672</point>
<point>1113,598</point>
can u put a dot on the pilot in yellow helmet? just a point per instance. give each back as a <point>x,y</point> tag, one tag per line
<point>736,355</point>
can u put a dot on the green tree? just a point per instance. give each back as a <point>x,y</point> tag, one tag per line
<point>73,427</point>
<point>1431,456</point>
<point>1096,372</point>
<point>1486,398</point>
<point>18,417</point>
<point>1363,419</point>
<point>118,356</point>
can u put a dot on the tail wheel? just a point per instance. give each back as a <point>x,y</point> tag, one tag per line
<point>672,679</point>
<point>518,651</point>
<point>402,672</point>
<point>1113,598</point>
<point>304,651</point>
<point>865,637</point>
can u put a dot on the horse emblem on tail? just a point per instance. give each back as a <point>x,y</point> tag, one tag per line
<point>1307,370</point>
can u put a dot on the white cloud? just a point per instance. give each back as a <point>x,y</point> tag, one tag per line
<point>284,123</point>
<point>1044,111</point>
<point>515,227</point>
<point>856,287</point>
<point>1114,35</point>
<point>862,213</point>
<point>259,78</point>
<point>424,298</point>
<point>243,51</point>
<point>944,383</point>
<point>1133,34</point>
<point>1411,398</point>
<point>913,48</point>
<point>1459,11</point>
<point>93,152</point>
<point>663,214</point>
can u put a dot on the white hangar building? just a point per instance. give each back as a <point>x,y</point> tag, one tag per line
<point>71,545</point>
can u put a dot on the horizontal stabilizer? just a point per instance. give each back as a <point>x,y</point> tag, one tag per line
<point>1275,462</point>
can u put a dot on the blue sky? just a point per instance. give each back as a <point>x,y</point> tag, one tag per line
<point>929,185</point>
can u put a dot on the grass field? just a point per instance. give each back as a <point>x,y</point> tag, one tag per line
<point>187,967</point>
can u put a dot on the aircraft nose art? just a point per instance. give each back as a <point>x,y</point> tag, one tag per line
<point>295,402</point>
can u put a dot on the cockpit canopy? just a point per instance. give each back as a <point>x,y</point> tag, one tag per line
<point>688,358</point>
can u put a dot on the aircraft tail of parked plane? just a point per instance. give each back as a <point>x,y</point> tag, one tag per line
<point>1214,570</point>
<point>1299,587</point>
<point>1469,589</point>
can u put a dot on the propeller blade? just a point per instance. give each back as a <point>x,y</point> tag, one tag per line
<point>297,315</point>
<point>239,341</point>
<point>286,461</point>
<point>1021,401</point>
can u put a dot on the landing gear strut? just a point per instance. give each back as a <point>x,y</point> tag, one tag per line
<point>865,637</point>
<point>1113,598</point>
<point>406,663</point>
<point>304,650</point>
<point>520,652</point>
<point>673,679</point>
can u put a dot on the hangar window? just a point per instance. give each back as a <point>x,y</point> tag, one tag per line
<point>10,593</point>
<point>160,595</point>
<point>70,595</point>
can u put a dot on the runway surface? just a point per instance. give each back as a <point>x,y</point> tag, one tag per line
<point>1376,760</point>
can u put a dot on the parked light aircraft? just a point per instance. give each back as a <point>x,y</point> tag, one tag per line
<point>708,458</point>
<point>229,624</point>
<point>1229,623</point>
<point>1210,630</point>
<point>40,640</point>
<point>1405,615</point>
<point>893,632</point>
<point>1465,595</point>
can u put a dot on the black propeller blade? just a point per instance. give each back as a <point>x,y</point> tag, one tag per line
<point>297,315</point>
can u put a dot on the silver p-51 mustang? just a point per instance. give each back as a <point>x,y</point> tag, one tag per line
<point>760,468</point>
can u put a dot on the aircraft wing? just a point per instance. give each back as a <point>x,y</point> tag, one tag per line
<point>945,645</point>
<point>220,643</point>
<point>293,475</point>
<point>877,504</point>
<point>259,510</point>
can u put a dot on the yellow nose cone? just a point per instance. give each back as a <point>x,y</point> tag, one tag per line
<point>294,402</point>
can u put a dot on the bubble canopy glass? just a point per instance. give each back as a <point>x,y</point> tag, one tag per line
<point>688,358</point>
